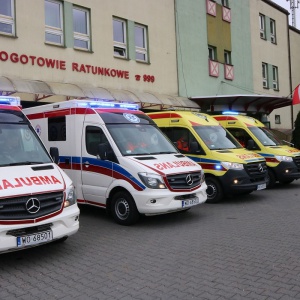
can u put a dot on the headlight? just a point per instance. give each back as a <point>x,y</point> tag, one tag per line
<point>152,181</point>
<point>70,196</point>
<point>283,158</point>
<point>232,165</point>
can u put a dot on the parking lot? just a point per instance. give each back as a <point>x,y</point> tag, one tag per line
<point>246,247</point>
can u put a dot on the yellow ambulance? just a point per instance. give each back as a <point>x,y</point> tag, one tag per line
<point>228,167</point>
<point>283,161</point>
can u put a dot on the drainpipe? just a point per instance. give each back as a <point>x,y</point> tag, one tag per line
<point>290,68</point>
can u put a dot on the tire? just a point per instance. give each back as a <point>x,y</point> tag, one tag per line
<point>272,179</point>
<point>123,209</point>
<point>214,190</point>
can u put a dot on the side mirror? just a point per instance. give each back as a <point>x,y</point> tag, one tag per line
<point>106,152</point>
<point>194,147</point>
<point>54,153</point>
<point>250,145</point>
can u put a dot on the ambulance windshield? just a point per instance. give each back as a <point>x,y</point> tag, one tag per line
<point>140,139</point>
<point>216,137</point>
<point>266,137</point>
<point>19,145</point>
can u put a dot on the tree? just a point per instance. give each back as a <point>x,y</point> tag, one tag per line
<point>296,132</point>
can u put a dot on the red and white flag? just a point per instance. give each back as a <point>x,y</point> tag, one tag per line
<point>296,95</point>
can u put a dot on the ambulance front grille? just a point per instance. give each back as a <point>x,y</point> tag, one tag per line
<point>297,162</point>
<point>31,206</point>
<point>256,171</point>
<point>184,181</point>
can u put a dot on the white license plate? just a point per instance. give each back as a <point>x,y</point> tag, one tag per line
<point>190,202</point>
<point>261,186</point>
<point>34,239</point>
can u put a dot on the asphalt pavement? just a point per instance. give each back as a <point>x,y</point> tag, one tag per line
<point>247,247</point>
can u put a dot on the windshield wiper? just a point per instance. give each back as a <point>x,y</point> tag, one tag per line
<point>164,152</point>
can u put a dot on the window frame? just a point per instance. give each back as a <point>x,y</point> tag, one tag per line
<point>9,20</point>
<point>225,3</point>
<point>212,50</point>
<point>82,36</point>
<point>265,75</point>
<point>227,57</point>
<point>262,26</point>
<point>56,30</point>
<point>141,50</point>
<point>119,46</point>
<point>273,31</point>
<point>275,83</point>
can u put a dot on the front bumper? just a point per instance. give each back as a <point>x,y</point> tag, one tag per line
<point>63,225</point>
<point>286,171</point>
<point>155,202</point>
<point>238,181</point>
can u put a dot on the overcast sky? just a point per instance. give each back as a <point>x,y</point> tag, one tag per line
<point>287,5</point>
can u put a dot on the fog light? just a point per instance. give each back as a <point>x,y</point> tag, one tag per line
<point>235,181</point>
<point>286,171</point>
<point>152,201</point>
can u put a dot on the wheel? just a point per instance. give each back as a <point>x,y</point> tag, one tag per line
<point>272,179</point>
<point>214,190</point>
<point>286,181</point>
<point>123,209</point>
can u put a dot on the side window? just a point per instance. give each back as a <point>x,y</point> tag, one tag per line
<point>7,17</point>
<point>120,38</point>
<point>93,137</point>
<point>262,26</point>
<point>242,136</point>
<point>81,27</point>
<point>57,129</point>
<point>54,22</point>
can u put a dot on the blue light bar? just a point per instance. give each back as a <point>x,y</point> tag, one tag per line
<point>229,112</point>
<point>103,104</point>
<point>13,101</point>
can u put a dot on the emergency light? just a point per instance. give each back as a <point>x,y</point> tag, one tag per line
<point>103,104</point>
<point>229,112</point>
<point>13,101</point>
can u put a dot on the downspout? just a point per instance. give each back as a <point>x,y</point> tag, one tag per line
<point>176,48</point>
<point>290,69</point>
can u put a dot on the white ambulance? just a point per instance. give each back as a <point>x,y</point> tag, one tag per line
<point>37,199</point>
<point>119,159</point>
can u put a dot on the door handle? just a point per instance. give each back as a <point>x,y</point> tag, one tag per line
<point>86,164</point>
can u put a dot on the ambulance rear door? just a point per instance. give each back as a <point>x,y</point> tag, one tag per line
<point>97,174</point>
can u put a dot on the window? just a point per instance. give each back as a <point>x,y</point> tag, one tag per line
<point>265,75</point>
<point>7,18</point>
<point>262,26</point>
<point>275,77</point>
<point>225,3</point>
<point>212,53</point>
<point>273,31</point>
<point>227,57</point>
<point>81,28</point>
<point>57,129</point>
<point>120,42</point>
<point>141,52</point>
<point>53,22</point>
<point>277,119</point>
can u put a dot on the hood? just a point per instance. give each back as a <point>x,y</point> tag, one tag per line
<point>283,150</point>
<point>165,164</point>
<point>24,180</point>
<point>242,156</point>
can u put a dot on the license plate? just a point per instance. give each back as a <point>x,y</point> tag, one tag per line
<point>261,186</point>
<point>190,202</point>
<point>34,239</point>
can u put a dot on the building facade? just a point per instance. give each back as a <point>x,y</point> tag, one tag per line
<point>160,54</point>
